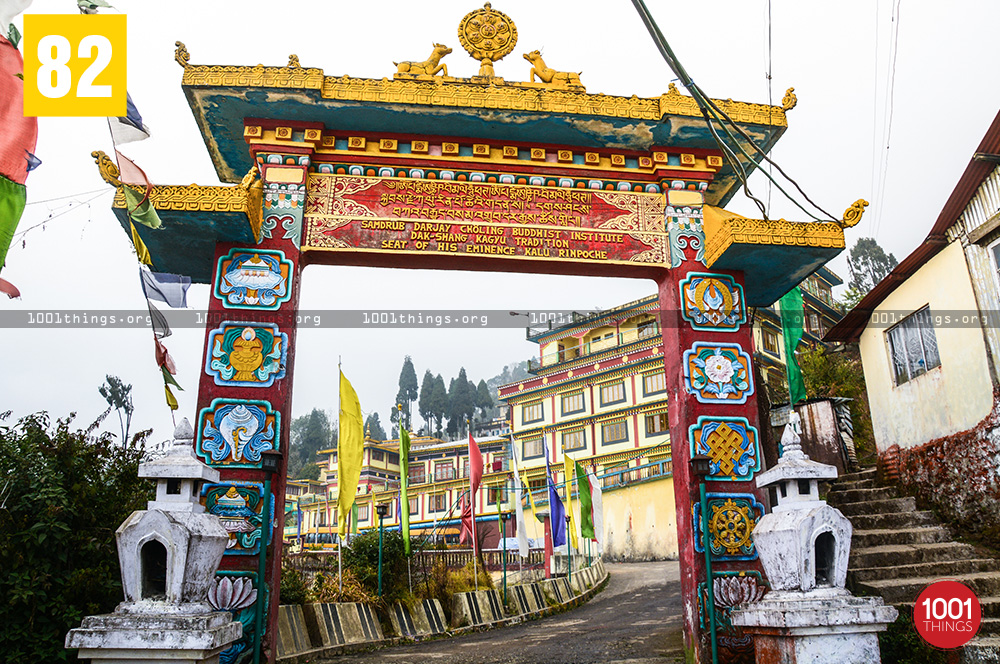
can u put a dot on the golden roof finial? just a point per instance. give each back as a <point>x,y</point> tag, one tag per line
<point>107,167</point>
<point>181,55</point>
<point>852,215</point>
<point>293,61</point>
<point>789,101</point>
<point>488,36</point>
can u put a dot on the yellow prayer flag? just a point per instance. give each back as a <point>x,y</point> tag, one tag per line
<point>141,252</point>
<point>570,473</point>
<point>350,448</point>
<point>171,399</point>
<point>531,496</point>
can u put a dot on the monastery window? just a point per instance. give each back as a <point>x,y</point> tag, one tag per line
<point>417,475</point>
<point>770,341</point>
<point>536,486</point>
<point>814,325</point>
<point>465,466</point>
<point>378,455</point>
<point>533,448</point>
<point>612,393</point>
<point>363,512</point>
<point>913,346</point>
<point>574,440</point>
<point>392,458</point>
<point>532,412</point>
<point>495,493</point>
<point>438,502</point>
<point>646,328</point>
<point>654,383</point>
<point>614,432</point>
<point>572,403</point>
<point>444,470</point>
<point>414,504</point>
<point>656,424</point>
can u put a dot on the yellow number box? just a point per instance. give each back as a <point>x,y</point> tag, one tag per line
<point>74,65</point>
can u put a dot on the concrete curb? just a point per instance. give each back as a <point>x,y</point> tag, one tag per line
<point>315,654</point>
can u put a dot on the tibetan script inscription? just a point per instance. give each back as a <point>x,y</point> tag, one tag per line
<point>355,213</point>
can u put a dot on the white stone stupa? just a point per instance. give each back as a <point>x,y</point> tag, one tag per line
<point>168,553</point>
<point>804,545</point>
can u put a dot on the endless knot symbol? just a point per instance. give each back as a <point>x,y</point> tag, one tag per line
<point>731,525</point>
<point>725,448</point>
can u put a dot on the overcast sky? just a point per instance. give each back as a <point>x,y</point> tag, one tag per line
<point>836,55</point>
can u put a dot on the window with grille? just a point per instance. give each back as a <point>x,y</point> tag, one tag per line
<point>532,412</point>
<point>438,502</point>
<point>533,448</point>
<point>574,440</point>
<point>654,383</point>
<point>414,505</point>
<point>444,470</point>
<point>656,424</point>
<point>612,393</point>
<point>614,432</point>
<point>363,513</point>
<point>378,455</point>
<point>646,328</point>
<point>572,403</point>
<point>770,341</point>
<point>417,474</point>
<point>496,493</point>
<point>913,346</point>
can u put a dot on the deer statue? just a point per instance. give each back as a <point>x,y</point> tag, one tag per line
<point>429,67</point>
<point>549,75</point>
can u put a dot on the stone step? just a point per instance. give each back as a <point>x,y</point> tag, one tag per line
<point>989,627</point>
<point>908,554</point>
<point>906,590</point>
<point>926,535</point>
<point>836,498</point>
<point>939,569</point>
<point>853,484</point>
<point>981,651</point>
<point>892,520</point>
<point>866,474</point>
<point>908,504</point>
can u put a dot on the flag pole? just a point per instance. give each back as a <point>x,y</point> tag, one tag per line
<point>340,540</point>
<point>472,501</point>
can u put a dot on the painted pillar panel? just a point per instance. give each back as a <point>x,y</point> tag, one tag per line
<point>712,410</point>
<point>245,395</point>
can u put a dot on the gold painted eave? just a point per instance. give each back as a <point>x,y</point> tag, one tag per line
<point>465,93</point>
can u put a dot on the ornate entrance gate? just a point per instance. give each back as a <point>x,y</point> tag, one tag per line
<point>429,171</point>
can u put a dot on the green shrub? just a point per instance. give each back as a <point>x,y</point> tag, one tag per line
<point>294,589</point>
<point>361,558</point>
<point>62,495</point>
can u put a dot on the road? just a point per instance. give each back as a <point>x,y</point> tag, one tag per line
<point>636,619</point>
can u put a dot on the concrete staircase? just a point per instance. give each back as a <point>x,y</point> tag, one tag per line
<point>897,550</point>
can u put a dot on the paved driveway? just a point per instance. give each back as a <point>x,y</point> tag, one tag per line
<point>636,619</point>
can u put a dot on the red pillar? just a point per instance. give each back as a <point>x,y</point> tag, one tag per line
<point>245,391</point>
<point>708,346</point>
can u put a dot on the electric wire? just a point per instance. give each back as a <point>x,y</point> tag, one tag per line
<point>887,128</point>
<point>709,110</point>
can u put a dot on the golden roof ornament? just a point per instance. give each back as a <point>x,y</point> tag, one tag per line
<point>852,216</point>
<point>181,55</point>
<point>789,101</point>
<point>488,35</point>
<point>293,61</point>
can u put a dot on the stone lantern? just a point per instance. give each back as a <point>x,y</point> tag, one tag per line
<point>168,553</point>
<point>804,545</point>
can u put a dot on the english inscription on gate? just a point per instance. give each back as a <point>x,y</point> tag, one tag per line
<point>484,219</point>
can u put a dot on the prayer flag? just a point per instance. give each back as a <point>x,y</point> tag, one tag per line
<point>597,502</point>
<point>586,503</point>
<point>523,546</point>
<point>161,329</point>
<point>171,399</point>
<point>18,134</point>
<point>171,289</point>
<point>9,289</point>
<point>791,331</point>
<point>129,128</point>
<point>404,499</point>
<point>163,358</point>
<point>475,477</point>
<point>569,475</point>
<point>465,532</point>
<point>350,448</point>
<point>129,173</point>
<point>12,199</point>
<point>33,161</point>
<point>139,208</point>
<point>141,252</point>
<point>557,514</point>
<point>169,380</point>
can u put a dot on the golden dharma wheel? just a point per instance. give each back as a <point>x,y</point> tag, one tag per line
<point>487,34</point>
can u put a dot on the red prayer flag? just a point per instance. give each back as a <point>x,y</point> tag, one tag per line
<point>132,174</point>
<point>465,534</point>
<point>9,289</point>
<point>163,358</point>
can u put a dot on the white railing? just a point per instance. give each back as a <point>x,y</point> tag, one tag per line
<point>984,204</point>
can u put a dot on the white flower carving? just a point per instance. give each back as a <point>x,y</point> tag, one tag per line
<point>227,594</point>
<point>719,369</point>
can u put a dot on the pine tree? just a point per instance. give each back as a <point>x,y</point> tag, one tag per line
<point>374,427</point>
<point>407,393</point>
<point>868,264</point>
<point>439,403</point>
<point>484,401</point>
<point>426,403</point>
